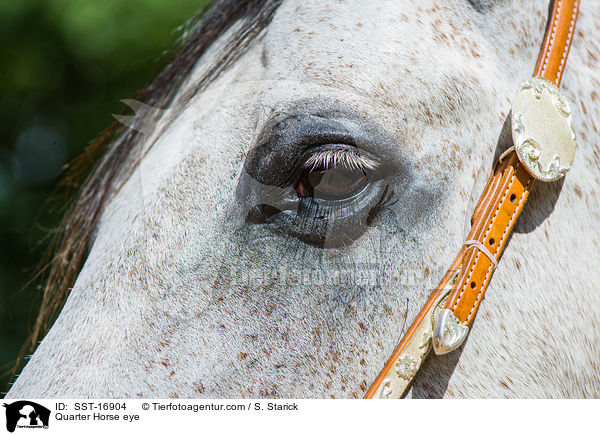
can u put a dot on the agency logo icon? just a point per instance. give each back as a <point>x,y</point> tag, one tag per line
<point>27,415</point>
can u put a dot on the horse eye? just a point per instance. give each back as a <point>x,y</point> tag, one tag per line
<point>335,183</point>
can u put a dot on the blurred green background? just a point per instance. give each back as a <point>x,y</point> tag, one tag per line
<point>64,65</point>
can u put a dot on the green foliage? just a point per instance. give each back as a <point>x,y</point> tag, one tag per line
<point>64,65</point>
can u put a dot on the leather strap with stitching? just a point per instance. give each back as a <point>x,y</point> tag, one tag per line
<point>509,186</point>
<point>494,217</point>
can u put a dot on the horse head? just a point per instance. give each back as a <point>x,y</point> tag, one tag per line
<point>272,230</point>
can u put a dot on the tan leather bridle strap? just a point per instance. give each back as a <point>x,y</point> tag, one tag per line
<point>557,40</point>
<point>463,286</point>
<point>508,188</point>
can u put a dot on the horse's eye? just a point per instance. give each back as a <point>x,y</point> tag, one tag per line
<point>335,183</point>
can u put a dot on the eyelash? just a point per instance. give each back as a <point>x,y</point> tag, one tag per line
<point>330,157</point>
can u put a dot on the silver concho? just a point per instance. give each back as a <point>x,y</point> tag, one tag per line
<point>542,131</point>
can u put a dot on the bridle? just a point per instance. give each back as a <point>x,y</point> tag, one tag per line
<point>544,148</point>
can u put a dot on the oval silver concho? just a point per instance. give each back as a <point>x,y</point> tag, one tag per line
<point>542,131</point>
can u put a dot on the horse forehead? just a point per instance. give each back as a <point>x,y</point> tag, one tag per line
<point>401,51</point>
<point>345,34</point>
<point>337,39</point>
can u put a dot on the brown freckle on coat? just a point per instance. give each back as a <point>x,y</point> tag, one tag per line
<point>243,356</point>
<point>297,29</point>
<point>328,385</point>
<point>578,191</point>
<point>359,24</point>
<point>363,362</point>
<point>362,326</point>
<point>165,363</point>
<point>396,278</point>
<point>198,386</point>
<point>271,393</point>
<point>172,373</point>
<point>173,396</point>
<point>427,271</point>
<point>335,356</point>
<point>363,385</point>
<point>138,395</point>
<point>428,114</point>
<point>504,384</point>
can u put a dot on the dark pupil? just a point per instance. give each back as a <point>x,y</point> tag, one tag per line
<point>335,183</point>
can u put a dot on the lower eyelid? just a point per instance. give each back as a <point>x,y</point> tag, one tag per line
<point>359,205</point>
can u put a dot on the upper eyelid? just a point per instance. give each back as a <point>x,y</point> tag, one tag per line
<point>285,141</point>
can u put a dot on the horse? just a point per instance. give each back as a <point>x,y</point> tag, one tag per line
<point>271,230</point>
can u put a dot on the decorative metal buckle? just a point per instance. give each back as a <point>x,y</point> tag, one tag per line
<point>448,332</point>
<point>542,132</point>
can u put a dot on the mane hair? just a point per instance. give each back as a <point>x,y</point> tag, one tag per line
<point>108,158</point>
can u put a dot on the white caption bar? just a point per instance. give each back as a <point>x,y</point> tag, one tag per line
<point>23,417</point>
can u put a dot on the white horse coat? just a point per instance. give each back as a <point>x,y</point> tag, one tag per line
<point>182,296</point>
